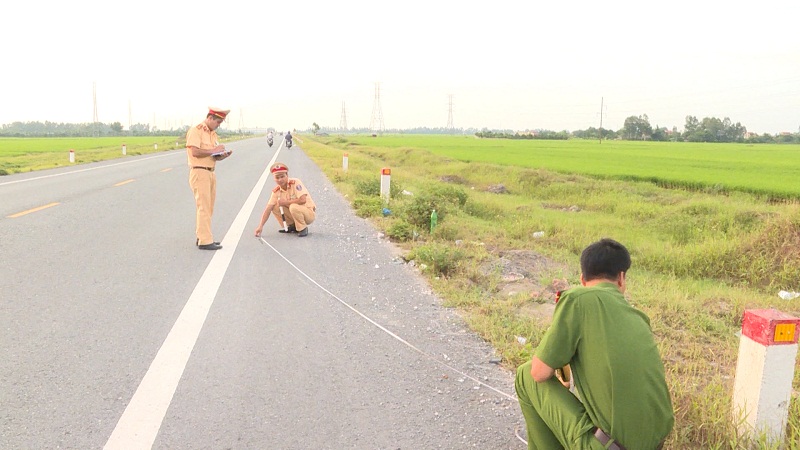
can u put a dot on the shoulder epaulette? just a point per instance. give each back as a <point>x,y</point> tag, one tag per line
<point>276,189</point>
<point>292,181</point>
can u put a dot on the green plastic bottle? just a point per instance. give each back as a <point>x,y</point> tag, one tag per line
<point>434,219</point>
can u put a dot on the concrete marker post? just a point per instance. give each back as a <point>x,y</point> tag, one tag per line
<point>386,175</point>
<point>124,149</point>
<point>155,146</point>
<point>71,156</point>
<point>344,162</point>
<point>764,372</point>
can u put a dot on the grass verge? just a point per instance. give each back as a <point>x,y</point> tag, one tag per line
<point>699,260</point>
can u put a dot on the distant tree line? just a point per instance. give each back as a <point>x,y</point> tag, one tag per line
<point>57,129</point>
<point>710,129</point>
<point>537,134</point>
<point>53,129</point>
<point>638,128</point>
<point>417,130</point>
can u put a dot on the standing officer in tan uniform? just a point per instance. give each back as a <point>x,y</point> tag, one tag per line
<point>204,150</point>
<point>291,194</point>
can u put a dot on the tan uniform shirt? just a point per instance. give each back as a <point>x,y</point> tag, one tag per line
<point>294,190</point>
<point>201,137</point>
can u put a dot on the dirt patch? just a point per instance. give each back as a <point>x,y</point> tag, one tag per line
<point>531,274</point>
<point>572,208</point>
<point>497,189</point>
<point>452,179</point>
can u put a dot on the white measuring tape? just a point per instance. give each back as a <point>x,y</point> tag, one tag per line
<point>382,328</point>
<point>408,344</point>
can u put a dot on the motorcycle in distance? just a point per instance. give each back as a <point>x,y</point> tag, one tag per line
<point>269,141</point>
<point>288,142</point>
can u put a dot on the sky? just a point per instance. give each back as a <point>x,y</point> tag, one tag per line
<point>556,65</point>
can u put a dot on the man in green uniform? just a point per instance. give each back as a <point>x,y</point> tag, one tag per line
<point>622,399</point>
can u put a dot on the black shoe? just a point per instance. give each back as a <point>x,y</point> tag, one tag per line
<point>302,233</point>
<point>211,246</point>
<point>290,229</point>
<point>197,242</point>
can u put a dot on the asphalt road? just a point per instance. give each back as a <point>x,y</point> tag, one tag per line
<point>117,332</point>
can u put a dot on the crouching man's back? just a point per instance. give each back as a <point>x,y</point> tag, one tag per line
<point>614,361</point>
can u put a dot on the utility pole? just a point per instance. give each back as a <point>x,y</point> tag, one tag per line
<point>450,114</point>
<point>376,122</point>
<point>343,119</point>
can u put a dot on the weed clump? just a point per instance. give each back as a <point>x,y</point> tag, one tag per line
<point>443,198</point>
<point>365,206</point>
<point>772,257</point>
<point>401,231</point>
<point>441,259</point>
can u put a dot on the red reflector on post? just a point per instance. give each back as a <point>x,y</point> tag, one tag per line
<point>386,171</point>
<point>770,327</point>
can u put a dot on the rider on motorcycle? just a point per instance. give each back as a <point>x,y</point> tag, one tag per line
<point>269,138</point>
<point>288,138</point>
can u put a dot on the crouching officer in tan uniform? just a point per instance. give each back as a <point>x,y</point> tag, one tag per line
<point>204,150</point>
<point>291,194</point>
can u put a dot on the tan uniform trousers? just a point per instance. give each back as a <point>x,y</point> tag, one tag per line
<point>298,215</point>
<point>204,186</point>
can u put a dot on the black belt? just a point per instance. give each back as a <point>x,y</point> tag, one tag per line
<point>210,169</point>
<point>605,439</point>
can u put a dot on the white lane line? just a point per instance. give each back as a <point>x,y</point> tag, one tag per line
<point>86,170</point>
<point>139,424</point>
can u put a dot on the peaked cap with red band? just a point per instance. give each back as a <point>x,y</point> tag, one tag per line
<point>221,113</point>
<point>278,167</point>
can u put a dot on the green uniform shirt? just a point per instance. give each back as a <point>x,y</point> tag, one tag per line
<point>615,363</point>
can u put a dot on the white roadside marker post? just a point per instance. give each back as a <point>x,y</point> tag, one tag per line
<point>386,176</point>
<point>764,372</point>
<point>72,156</point>
<point>124,149</point>
<point>344,162</point>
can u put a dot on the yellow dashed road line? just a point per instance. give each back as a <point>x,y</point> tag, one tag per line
<point>32,210</point>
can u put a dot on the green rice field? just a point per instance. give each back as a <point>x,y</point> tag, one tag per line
<point>11,147</point>
<point>27,154</point>
<point>771,170</point>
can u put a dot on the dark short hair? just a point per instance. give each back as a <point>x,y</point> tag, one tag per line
<point>604,259</point>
